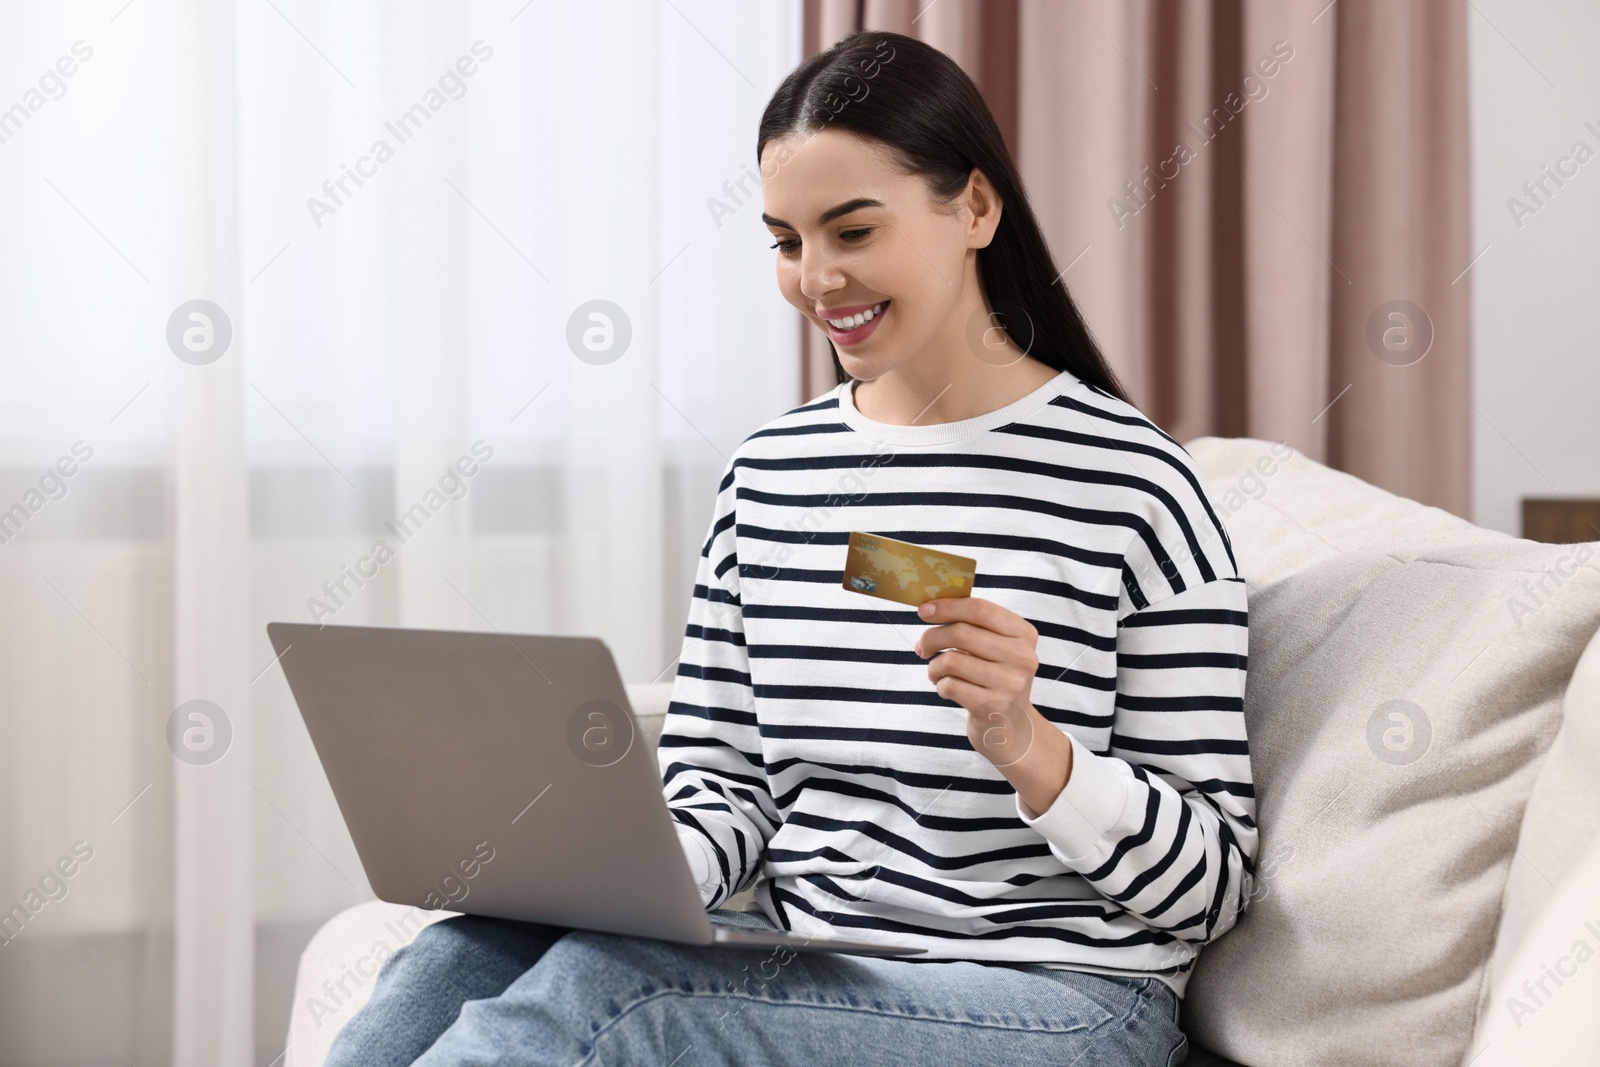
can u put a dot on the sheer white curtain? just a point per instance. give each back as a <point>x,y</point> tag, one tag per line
<point>401,215</point>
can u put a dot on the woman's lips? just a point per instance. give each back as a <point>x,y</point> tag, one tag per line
<point>860,333</point>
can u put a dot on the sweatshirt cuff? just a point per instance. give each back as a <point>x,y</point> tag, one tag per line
<point>702,864</point>
<point>1089,807</point>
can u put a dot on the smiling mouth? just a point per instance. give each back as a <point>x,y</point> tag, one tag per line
<point>858,328</point>
<point>845,325</point>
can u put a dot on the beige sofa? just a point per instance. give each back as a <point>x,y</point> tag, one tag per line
<point>1424,718</point>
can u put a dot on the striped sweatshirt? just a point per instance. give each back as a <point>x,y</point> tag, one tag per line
<point>804,741</point>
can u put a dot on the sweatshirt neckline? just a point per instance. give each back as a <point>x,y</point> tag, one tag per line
<point>940,433</point>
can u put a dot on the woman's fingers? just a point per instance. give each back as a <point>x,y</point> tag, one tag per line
<point>975,640</point>
<point>980,612</point>
<point>983,657</point>
<point>1003,678</point>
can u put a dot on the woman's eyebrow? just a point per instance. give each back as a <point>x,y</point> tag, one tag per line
<point>829,215</point>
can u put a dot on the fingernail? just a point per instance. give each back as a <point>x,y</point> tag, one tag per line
<point>925,610</point>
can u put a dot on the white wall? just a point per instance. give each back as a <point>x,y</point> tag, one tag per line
<point>1535,77</point>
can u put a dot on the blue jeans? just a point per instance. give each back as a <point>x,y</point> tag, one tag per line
<point>473,990</point>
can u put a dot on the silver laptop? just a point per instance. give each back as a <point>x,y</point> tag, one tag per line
<point>503,775</point>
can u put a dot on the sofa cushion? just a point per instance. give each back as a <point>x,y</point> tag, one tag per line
<point>649,702</point>
<point>1561,826</point>
<point>1543,1000</point>
<point>1406,673</point>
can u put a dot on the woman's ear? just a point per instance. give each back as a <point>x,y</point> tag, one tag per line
<point>983,208</point>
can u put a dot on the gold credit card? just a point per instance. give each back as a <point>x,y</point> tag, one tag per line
<point>904,572</point>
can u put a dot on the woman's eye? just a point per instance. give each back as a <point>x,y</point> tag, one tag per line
<point>788,246</point>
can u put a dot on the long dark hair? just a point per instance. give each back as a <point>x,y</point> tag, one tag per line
<point>921,105</point>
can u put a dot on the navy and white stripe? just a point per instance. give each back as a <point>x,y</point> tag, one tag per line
<point>804,740</point>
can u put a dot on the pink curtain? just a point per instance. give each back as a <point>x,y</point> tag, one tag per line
<point>1263,204</point>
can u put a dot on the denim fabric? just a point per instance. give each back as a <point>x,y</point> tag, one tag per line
<point>472,990</point>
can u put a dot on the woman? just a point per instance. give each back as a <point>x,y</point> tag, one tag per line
<point>1046,784</point>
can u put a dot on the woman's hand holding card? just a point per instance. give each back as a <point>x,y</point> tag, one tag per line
<point>984,656</point>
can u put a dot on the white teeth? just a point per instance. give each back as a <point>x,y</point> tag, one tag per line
<point>859,319</point>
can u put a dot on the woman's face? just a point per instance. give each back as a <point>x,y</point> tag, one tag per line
<point>890,245</point>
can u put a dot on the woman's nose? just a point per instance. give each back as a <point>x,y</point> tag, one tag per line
<point>819,276</point>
